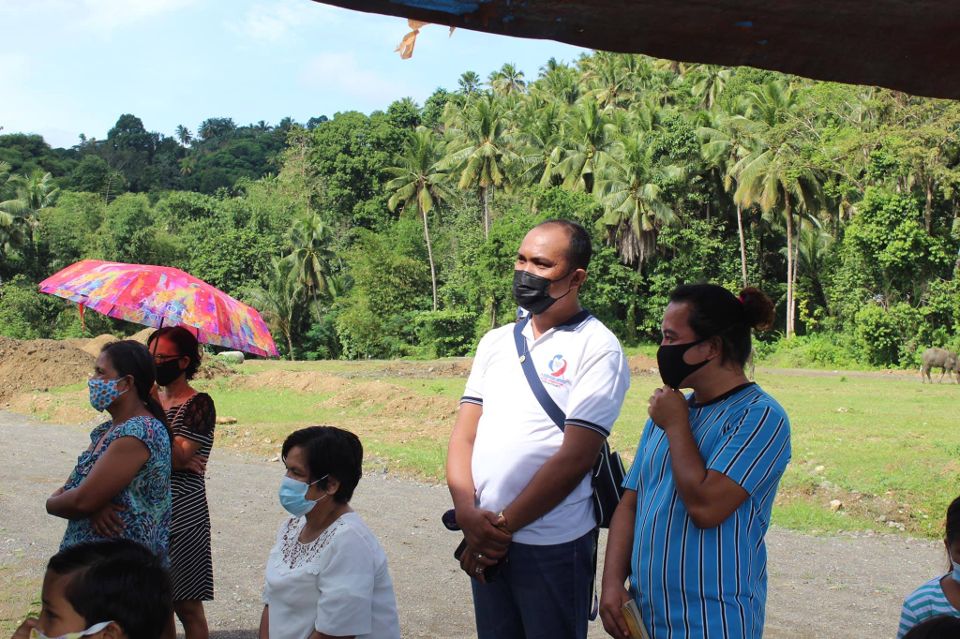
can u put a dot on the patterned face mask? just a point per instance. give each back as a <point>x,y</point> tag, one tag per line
<point>103,392</point>
<point>92,630</point>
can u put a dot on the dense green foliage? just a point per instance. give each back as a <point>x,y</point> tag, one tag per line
<point>394,233</point>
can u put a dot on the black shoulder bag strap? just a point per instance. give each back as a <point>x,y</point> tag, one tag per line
<point>536,384</point>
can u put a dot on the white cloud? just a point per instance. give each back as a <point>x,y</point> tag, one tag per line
<point>340,72</point>
<point>94,16</point>
<point>107,15</point>
<point>279,20</point>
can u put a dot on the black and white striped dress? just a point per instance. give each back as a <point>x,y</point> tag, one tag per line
<point>191,565</point>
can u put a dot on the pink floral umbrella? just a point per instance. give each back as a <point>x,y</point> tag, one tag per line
<point>163,296</point>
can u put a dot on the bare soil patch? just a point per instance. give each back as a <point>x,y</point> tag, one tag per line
<point>40,364</point>
<point>642,365</point>
<point>299,381</point>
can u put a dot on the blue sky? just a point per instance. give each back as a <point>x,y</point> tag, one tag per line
<point>73,66</point>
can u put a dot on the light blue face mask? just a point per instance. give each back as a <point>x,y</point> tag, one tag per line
<point>956,571</point>
<point>293,496</point>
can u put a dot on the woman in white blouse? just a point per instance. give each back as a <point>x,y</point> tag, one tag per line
<point>327,575</point>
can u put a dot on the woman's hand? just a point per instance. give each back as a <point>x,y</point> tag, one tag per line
<point>668,408</point>
<point>59,491</point>
<point>197,465</point>
<point>23,632</point>
<point>106,522</point>
<point>612,599</point>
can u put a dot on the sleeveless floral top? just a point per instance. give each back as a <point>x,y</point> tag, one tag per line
<point>146,500</point>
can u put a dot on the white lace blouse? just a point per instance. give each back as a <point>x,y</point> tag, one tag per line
<point>337,584</point>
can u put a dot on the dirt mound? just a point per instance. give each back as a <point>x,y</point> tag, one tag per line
<point>300,381</point>
<point>212,367</point>
<point>642,365</point>
<point>40,364</point>
<point>142,335</point>
<point>95,344</point>
<point>459,367</point>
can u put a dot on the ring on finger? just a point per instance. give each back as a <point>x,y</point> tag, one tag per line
<point>479,555</point>
<point>478,570</point>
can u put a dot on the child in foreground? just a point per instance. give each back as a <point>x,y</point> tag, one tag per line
<point>940,595</point>
<point>114,589</point>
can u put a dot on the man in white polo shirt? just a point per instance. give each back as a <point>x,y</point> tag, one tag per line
<point>521,487</point>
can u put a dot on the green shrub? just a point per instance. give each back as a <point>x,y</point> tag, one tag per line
<point>446,332</point>
<point>818,350</point>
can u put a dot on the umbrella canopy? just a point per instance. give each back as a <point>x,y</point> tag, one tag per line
<point>163,296</point>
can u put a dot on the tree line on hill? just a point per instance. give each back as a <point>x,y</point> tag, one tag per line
<point>393,234</point>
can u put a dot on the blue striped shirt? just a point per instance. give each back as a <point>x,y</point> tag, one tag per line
<point>926,601</point>
<point>692,582</point>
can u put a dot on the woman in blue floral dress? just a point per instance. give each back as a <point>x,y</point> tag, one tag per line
<point>120,486</point>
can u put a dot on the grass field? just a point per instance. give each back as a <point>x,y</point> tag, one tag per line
<point>882,447</point>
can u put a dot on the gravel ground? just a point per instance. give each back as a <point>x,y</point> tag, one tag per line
<point>844,586</point>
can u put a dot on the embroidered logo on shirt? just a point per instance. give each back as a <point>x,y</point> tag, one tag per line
<point>557,366</point>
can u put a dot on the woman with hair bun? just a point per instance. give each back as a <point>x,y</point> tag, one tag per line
<point>192,418</point>
<point>689,531</point>
<point>120,486</point>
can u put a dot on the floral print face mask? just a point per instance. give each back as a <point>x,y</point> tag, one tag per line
<point>103,392</point>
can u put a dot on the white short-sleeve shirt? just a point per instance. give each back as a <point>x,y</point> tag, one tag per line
<point>338,584</point>
<point>585,371</point>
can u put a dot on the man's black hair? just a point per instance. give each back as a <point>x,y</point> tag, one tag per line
<point>330,451</point>
<point>117,580</point>
<point>581,248</point>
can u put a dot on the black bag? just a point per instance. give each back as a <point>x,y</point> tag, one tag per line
<point>608,471</point>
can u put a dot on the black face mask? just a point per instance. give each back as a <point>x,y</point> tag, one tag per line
<point>673,370</point>
<point>530,291</point>
<point>168,371</point>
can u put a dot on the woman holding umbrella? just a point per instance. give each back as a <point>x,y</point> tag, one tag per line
<point>192,418</point>
<point>121,483</point>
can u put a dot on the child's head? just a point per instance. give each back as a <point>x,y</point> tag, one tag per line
<point>117,581</point>
<point>952,537</point>
<point>939,627</point>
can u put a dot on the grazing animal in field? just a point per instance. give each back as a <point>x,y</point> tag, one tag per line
<point>939,358</point>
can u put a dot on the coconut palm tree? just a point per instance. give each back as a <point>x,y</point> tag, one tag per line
<point>509,80</point>
<point>628,187</point>
<point>183,135</point>
<point>557,82</point>
<point>469,83</point>
<point>538,141</point>
<point>479,150</point>
<point>33,193</point>
<point>309,243</point>
<point>418,185</point>
<point>614,78</point>
<point>726,139</point>
<point>589,137</point>
<point>775,175</point>
<point>280,298</point>
<point>709,81</point>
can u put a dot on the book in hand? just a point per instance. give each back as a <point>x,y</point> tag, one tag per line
<point>631,613</point>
